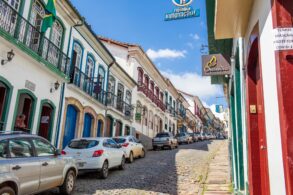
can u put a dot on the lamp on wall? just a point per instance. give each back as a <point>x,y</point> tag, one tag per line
<point>55,86</point>
<point>10,56</point>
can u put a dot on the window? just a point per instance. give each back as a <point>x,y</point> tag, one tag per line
<point>112,83</point>
<point>140,76</point>
<point>20,148</point>
<point>128,97</point>
<point>145,114</point>
<point>3,149</point>
<point>112,143</point>
<point>152,87</point>
<point>57,34</point>
<point>83,144</point>
<point>151,120</point>
<point>101,77</point>
<point>89,68</point>
<point>146,81</point>
<point>77,55</point>
<point>157,92</point>
<point>43,148</point>
<point>120,97</point>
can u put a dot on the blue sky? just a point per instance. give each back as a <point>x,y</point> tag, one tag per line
<point>174,46</point>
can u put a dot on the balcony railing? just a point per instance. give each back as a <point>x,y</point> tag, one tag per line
<point>1,126</point>
<point>28,35</point>
<point>120,105</point>
<point>89,85</point>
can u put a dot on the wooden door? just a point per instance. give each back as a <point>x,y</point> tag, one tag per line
<point>258,164</point>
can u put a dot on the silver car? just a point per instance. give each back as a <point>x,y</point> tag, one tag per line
<point>30,164</point>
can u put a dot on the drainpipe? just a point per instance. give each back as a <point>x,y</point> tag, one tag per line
<point>61,101</point>
<point>107,89</point>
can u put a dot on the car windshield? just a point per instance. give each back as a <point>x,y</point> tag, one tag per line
<point>162,135</point>
<point>119,140</point>
<point>180,135</point>
<point>83,144</point>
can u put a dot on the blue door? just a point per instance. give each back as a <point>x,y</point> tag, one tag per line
<point>70,125</point>
<point>87,125</point>
<point>100,126</point>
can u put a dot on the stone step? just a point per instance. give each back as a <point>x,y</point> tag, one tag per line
<point>217,193</point>
<point>217,188</point>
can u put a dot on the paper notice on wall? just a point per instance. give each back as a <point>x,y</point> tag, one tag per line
<point>283,38</point>
<point>45,119</point>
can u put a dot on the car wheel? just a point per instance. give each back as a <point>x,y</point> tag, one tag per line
<point>105,170</point>
<point>68,185</point>
<point>154,148</point>
<point>122,165</point>
<point>6,190</point>
<point>142,153</point>
<point>131,158</point>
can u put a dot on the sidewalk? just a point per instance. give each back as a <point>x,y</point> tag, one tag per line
<point>218,180</point>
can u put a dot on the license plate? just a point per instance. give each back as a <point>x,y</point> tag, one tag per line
<point>81,164</point>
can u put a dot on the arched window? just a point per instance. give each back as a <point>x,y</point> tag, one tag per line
<point>146,81</point>
<point>111,85</point>
<point>140,76</point>
<point>57,34</point>
<point>101,77</point>
<point>128,103</point>
<point>120,97</point>
<point>36,19</point>
<point>152,87</point>
<point>76,63</point>
<point>89,74</point>
<point>157,92</point>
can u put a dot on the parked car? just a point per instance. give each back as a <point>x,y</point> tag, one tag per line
<point>200,136</point>
<point>131,146</point>
<point>165,139</point>
<point>96,154</point>
<point>30,164</point>
<point>183,138</point>
<point>194,137</point>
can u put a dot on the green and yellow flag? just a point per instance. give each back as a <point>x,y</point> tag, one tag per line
<point>50,15</point>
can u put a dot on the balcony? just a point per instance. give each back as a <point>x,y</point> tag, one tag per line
<point>25,35</point>
<point>88,85</point>
<point>142,88</point>
<point>1,126</point>
<point>120,105</point>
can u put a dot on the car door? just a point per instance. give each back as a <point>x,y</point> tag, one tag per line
<point>116,152</point>
<point>51,165</point>
<point>109,152</point>
<point>137,147</point>
<point>24,165</point>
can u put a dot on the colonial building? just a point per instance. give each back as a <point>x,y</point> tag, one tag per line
<point>33,65</point>
<point>257,36</point>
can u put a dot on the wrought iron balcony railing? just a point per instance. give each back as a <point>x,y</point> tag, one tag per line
<point>1,126</point>
<point>120,105</point>
<point>89,85</point>
<point>26,34</point>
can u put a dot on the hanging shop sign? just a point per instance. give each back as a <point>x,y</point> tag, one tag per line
<point>216,64</point>
<point>183,10</point>
<point>137,116</point>
<point>283,38</point>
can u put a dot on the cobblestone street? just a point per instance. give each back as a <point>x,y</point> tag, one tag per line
<point>178,171</point>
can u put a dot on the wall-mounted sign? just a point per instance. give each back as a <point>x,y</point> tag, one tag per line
<point>215,65</point>
<point>183,11</point>
<point>283,38</point>
<point>137,116</point>
<point>30,85</point>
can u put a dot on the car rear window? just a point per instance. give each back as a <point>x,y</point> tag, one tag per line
<point>180,135</point>
<point>83,144</point>
<point>119,140</point>
<point>163,135</point>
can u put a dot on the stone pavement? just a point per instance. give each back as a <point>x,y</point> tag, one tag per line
<point>218,181</point>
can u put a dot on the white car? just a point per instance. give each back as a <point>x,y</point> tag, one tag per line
<point>96,154</point>
<point>131,146</point>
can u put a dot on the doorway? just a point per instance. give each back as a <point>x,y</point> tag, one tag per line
<point>109,130</point>
<point>46,119</point>
<point>88,120</point>
<point>100,128</point>
<point>118,128</point>
<point>258,164</point>
<point>70,125</point>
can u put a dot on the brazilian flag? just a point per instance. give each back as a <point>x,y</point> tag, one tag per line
<point>50,16</point>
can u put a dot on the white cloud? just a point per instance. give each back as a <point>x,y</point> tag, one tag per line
<point>195,36</point>
<point>194,84</point>
<point>166,53</point>
<point>190,45</point>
